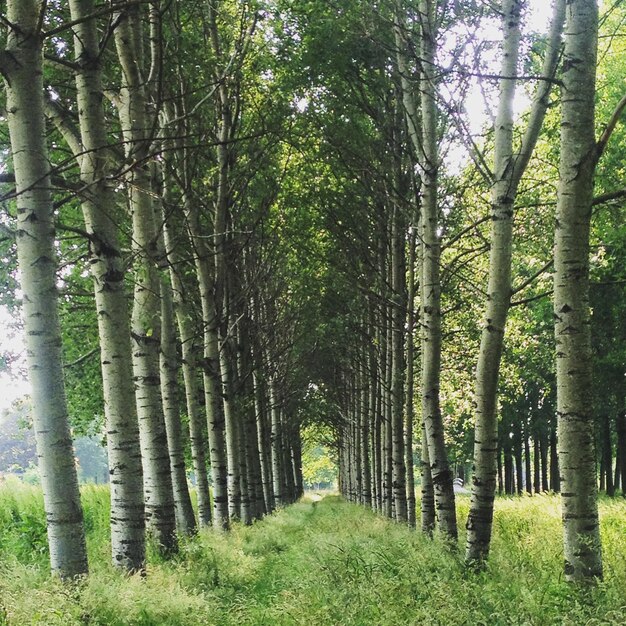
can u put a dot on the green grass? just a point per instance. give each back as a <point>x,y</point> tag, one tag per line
<point>332,564</point>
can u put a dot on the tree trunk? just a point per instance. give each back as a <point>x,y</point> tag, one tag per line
<point>545,486</point>
<point>185,517</point>
<point>197,435</point>
<point>509,168</point>
<point>431,287</point>
<point>536,465</point>
<point>233,434</point>
<point>527,461</point>
<point>620,426</point>
<point>265,449</point>
<point>22,69</point>
<point>410,354</point>
<point>277,446</point>
<point>607,454</point>
<point>428,494</point>
<point>582,547</point>
<point>205,273</point>
<point>398,319</point>
<point>145,319</point>
<point>107,268</point>
<point>555,477</point>
<point>366,466</point>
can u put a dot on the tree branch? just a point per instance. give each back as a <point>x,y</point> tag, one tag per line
<point>610,127</point>
<point>82,359</point>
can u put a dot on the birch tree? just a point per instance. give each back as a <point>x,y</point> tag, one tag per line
<point>509,167</point>
<point>99,211</point>
<point>145,321</point>
<point>21,65</point>
<point>424,140</point>
<point>578,158</point>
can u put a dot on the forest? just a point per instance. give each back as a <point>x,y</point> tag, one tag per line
<point>257,245</point>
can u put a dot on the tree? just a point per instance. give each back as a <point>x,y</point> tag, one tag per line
<point>430,308</point>
<point>99,210</point>
<point>145,320</point>
<point>579,155</point>
<point>509,167</point>
<point>21,65</point>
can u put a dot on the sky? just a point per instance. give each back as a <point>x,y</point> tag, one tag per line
<point>13,386</point>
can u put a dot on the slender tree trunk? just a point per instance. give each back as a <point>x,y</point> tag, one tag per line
<point>205,272</point>
<point>277,444</point>
<point>185,517</point>
<point>617,475</point>
<point>517,450</point>
<point>431,287</point>
<point>398,319</point>
<point>607,453</point>
<point>509,168</point>
<point>620,426</point>
<point>145,319</point>
<point>509,479</point>
<point>410,354</point>
<point>536,465</point>
<point>197,435</point>
<point>389,504</point>
<point>582,547</point>
<point>555,476</point>
<point>366,465</point>
<point>174,239</point>
<point>428,515</point>
<point>233,434</point>
<point>378,443</point>
<point>126,479</point>
<point>424,142</point>
<point>265,451</point>
<point>503,192</point>
<point>544,445</point>
<point>22,69</point>
<point>527,461</point>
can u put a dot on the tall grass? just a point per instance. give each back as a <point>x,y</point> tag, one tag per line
<point>333,563</point>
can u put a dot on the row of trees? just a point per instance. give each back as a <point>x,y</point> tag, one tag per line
<point>256,195</point>
<point>154,178</point>
<point>375,443</point>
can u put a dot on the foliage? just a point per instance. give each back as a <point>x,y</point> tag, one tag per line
<point>332,563</point>
<point>318,466</point>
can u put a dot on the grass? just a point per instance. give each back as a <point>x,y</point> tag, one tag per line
<point>329,564</point>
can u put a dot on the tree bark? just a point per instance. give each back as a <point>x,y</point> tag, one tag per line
<point>582,546</point>
<point>410,355</point>
<point>145,319</point>
<point>23,72</point>
<point>509,168</point>
<point>185,517</point>
<point>431,286</point>
<point>98,206</point>
<point>398,319</point>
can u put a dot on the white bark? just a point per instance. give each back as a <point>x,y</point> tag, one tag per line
<point>185,517</point>
<point>37,263</point>
<point>431,287</point>
<point>198,439</point>
<point>127,511</point>
<point>205,272</point>
<point>145,320</point>
<point>509,167</point>
<point>582,547</point>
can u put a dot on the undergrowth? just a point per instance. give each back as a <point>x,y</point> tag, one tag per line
<point>329,564</point>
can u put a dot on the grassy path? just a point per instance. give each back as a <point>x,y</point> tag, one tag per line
<point>332,564</point>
